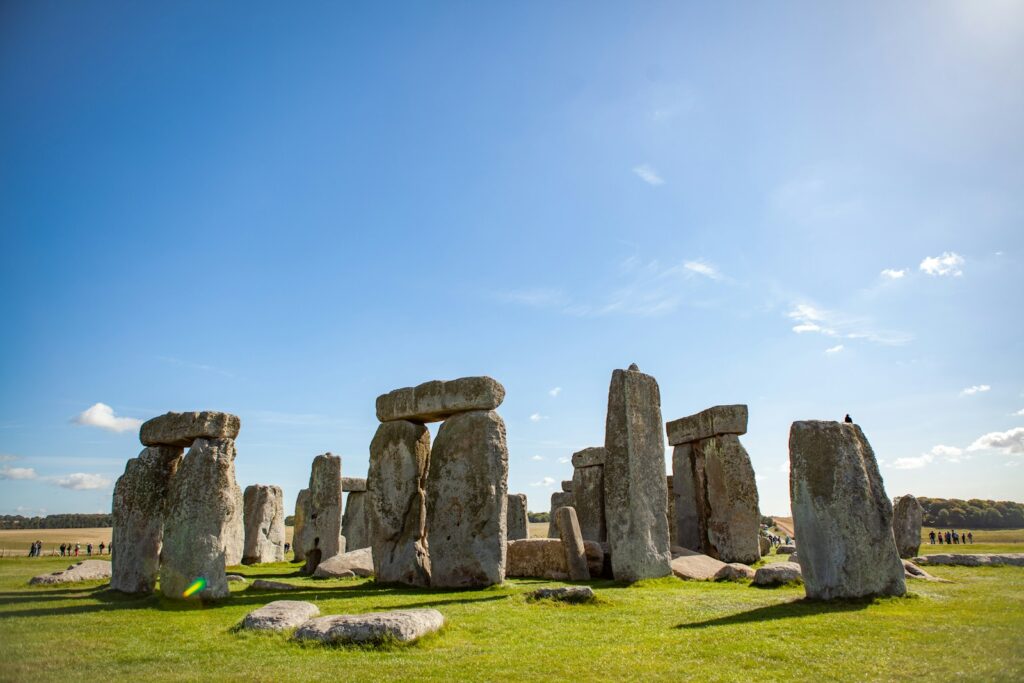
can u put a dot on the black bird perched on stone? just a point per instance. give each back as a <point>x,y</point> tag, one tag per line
<point>848,420</point>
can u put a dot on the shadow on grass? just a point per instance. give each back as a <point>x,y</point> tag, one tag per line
<point>785,610</point>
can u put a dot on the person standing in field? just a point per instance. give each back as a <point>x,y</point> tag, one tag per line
<point>78,546</point>
<point>931,537</point>
<point>101,547</point>
<point>970,537</point>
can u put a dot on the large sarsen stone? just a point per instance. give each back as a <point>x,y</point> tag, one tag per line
<point>907,517</point>
<point>181,429</point>
<point>322,528</point>
<point>264,524</point>
<point>727,491</point>
<point>438,400</point>
<point>516,521</point>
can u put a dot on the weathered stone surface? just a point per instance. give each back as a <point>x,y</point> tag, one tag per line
<point>912,571</point>
<point>353,484</point>
<point>280,615</point>
<point>543,558</point>
<point>234,535</point>
<point>558,499</point>
<point>235,578</point>
<point>785,549</point>
<point>572,544</point>
<point>734,571</point>
<point>728,514</point>
<point>437,400</point>
<point>372,628</point>
<point>588,499</point>
<point>907,517</point>
<point>841,513</point>
<point>516,520</point>
<point>140,504</point>
<point>266,585</point>
<point>570,594</point>
<point>299,531</point>
<point>589,457</point>
<point>181,429</point>
<point>714,421</point>
<point>672,533</point>
<point>355,525</point>
<point>567,485</point>
<point>696,566</point>
<point>204,517</point>
<point>766,545</point>
<point>973,559</point>
<point>685,507</point>
<point>87,570</point>
<point>322,526</point>
<point>635,494</point>
<point>264,524</point>
<point>466,501</point>
<point>358,562</point>
<point>777,574</point>
<point>396,509</point>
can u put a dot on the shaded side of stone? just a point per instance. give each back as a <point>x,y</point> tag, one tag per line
<point>516,520</point>
<point>572,544</point>
<point>588,499</point>
<point>354,523</point>
<point>264,524</point>
<point>558,499</point>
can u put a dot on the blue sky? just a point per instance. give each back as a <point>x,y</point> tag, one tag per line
<point>283,212</point>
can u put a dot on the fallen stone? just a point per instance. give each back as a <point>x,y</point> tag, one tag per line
<point>181,429</point>
<point>322,527</point>
<point>588,499</point>
<point>264,524</point>
<point>558,499</point>
<point>140,505</point>
<point>87,570</point>
<point>841,514</point>
<point>396,503</point>
<point>235,578</point>
<point>907,517</point>
<point>466,489</point>
<point>516,520</point>
<point>729,517</point>
<point>404,626</point>
<point>543,558</point>
<point>696,566</point>
<point>714,421</point>
<point>778,574</point>
<point>912,571</point>
<point>355,525</point>
<point>973,559</point>
<point>353,484</point>
<point>784,549</point>
<point>635,492</point>
<point>572,544</point>
<point>734,571</point>
<point>570,594</point>
<point>266,585</point>
<point>358,562</point>
<point>299,530</point>
<point>280,615</point>
<point>438,400</point>
<point>589,457</point>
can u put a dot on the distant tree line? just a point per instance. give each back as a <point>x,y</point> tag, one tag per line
<point>538,516</point>
<point>66,521</point>
<point>975,513</point>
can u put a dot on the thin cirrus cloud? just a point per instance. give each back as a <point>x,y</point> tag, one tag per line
<point>893,274</point>
<point>546,482</point>
<point>18,473</point>
<point>702,268</point>
<point>101,415</point>
<point>537,417</point>
<point>811,319</point>
<point>976,389</point>
<point>536,458</point>
<point>947,263</point>
<point>833,350</point>
<point>648,174</point>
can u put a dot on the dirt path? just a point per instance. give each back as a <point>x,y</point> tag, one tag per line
<point>786,524</point>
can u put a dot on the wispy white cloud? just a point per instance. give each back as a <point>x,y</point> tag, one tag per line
<point>703,268</point>
<point>1020,412</point>
<point>555,391</point>
<point>80,481</point>
<point>947,263</point>
<point>540,297</point>
<point>914,463</point>
<point>537,417</point>
<point>832,350</point>
<point>976,389</point>
<point>18,473</point>
<point>647,174</point>
<point>811,319</point>
<point>101,415</point>
<point>546,482</point>
<point>564,460</point>
<point>949,453</point>
<point>892,274</point>
<point>1010,442</point>
<point>536,458</point>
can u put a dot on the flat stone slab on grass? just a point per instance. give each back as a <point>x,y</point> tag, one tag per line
<point>235,578</point>
<point>358,563</point>
<point>87,570</point>
<point>694,566</point>
<point>181,429</point>
<point>571,594</point>
<point>785,550</point>
<point>280,615</point>
<point>973,560</point>
<point>264,585</point>
<point>734,571</point>
<point>404,626</point>
<point>778,574</point>
<point>437,400</point>
<point>912,571</point>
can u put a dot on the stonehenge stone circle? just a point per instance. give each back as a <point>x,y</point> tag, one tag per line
<point>354,525</point>
<point>437,400</point>
<point>516,521</point>
<point>841,514</point>
<point>264,524</point>
<point>466,501</point>
<point>907,517</point>
<point>572,544</point>
<point>543,558</point>
<point>140,504</point>
<point>716,501</point>
<point>322,529</point>
<point>588,492</point>
<point>181,429</point>
<point>635,492</point>
<point>396,502</point>
<point>203,519</point>
<point>299,530</point>
<point>558,499</point>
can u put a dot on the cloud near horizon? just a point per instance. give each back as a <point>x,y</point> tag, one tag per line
<point>101,415</point>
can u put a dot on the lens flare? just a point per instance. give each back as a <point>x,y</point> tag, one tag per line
<point>197,585</point>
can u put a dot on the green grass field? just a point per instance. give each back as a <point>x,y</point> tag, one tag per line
<point>971,629</point>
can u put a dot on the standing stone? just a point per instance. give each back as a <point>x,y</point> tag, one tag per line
<point>635,491</point>
<point>671,510</point>
<point>322,534</point>
<point>396,509</point>
<point>727,491</point>
<point>841,514</point>
<point>516,520</point>
<point>264,524</point>
<point>234,533</point>
<point>588,492</point>
<point>140,503</point>
<point>572,544</point>
<point>201,507</point>
<point>907,517</point>
<point>299,530</point>
<point>354,526</point>
<point>685,493</point>
<point>558,499</point>
<point>466,501</point>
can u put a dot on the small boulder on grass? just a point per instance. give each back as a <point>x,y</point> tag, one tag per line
<point>778,574</point>
<point>264,585</point>
<point>280,615</point>
<point>570,594</point>
<point>374,628</point>
<point>235,578</point>
<point>734,571</point>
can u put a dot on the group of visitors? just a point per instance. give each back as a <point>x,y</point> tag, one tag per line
<point>951,537</point>
<point>36,549</point>
<point>72,549</point>
<point>777,540</point>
